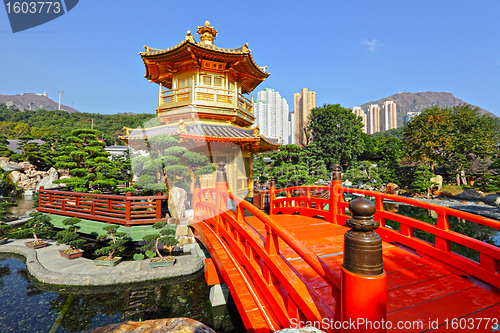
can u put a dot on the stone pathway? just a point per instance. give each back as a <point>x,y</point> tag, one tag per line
<point>48,266</point>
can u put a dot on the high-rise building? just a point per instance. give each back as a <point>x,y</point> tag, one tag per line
<point>302,105</point>
<point>358,111</point>
<point>271,115</point>
<point>373,119</point>
<point>388,116</point>
<point>291,128</point>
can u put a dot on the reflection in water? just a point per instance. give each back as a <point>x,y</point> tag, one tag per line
<point>24,204</point>
<point>27,306</point>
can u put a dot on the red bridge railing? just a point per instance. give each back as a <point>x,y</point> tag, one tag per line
<point>283,291</point>
<point>305,201</point>
<point>127,210</point>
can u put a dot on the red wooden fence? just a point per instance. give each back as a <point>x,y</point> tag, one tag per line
<point>127,210</point>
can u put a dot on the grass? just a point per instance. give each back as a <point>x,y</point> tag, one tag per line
<point>454,189</point>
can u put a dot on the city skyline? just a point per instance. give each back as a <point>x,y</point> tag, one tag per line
<point>71,55</point>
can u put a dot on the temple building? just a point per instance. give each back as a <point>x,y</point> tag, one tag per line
<point>202,102</point>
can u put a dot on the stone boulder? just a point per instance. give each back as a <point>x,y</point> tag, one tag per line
<point>177,202</point>
<point>392,188</point>
<point>470,194</point>
<point>492,199</point>
<point>48,181</point>
<point>17,177</point>
<point>26,165</point>
<point>438,179</point>
<point>170,325</point>
<point>347,183</point>
<point>11,166</point>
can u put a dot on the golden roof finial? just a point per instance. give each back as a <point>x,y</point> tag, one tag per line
<point>207,34</point>
<point>189,37</point>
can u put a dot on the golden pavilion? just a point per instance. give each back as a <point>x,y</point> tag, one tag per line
<point>202,102</point>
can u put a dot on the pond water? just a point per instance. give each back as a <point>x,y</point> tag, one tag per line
<point>28,306</point>
<point>24,205</point>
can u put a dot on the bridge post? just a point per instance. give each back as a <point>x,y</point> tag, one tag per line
<point>272,189</point>
<point>364,281</point>
<point>196,196</point>
<point>220,202</point>
<point>334,193</point>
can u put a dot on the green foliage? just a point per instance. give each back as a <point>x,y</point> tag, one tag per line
<point>421,179</point>
<point>5,203</point>
<point>150,254</point>
<point>168,162</point>
<point>166,236</point>
<point>453,136</point>
<point>291,165</point>
<point>364,172</point>
<point>69,236</point>
<point>335,132</point>
<point>490,181</point>
<point>4,228</point>
<point>40,224</point>
<point>116,241</point>
<point>392,133</point>
<point>89,165</point>
<point>138,256</point>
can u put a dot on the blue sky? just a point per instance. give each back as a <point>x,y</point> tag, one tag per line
<point>349,52</point>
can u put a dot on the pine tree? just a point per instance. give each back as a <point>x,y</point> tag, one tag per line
<point>116,243</point>
<point>165,236</point>
<point>69,236</point>
<point>41,225</point>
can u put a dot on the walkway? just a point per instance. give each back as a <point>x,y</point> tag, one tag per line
<point>48,266</point>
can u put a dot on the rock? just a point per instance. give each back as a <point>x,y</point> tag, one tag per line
<point>170,325</point>
<point>3,161</point>
<point>177,202</point>
<point>17,177</point>
<point>11,166</point>
<point>48,181</point>
<point>438,179</point>
<point>26,165</point>
<point>470,194</point>
<point>189,214</point>
<point>446,194</point>
<point>492,200</point>
<point>347,183</point>
<point>480,203</point>
<point>392,188</point>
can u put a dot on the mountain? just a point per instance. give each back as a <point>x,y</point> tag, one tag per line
<point>23,101</point>
<point>420,101</point>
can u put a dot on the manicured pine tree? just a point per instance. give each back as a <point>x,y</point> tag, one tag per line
<point>165,236</point>
<point>116,242</point>
<point>69,236</point>
<point>41,225</point>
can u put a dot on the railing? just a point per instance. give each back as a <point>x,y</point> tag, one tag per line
<point>440,252</point>
<point>127,210</point>
<point>261,257</point>
<point>176,95</point>
<point>244,103</point>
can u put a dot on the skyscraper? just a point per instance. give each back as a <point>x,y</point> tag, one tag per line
<point>302,105</point>
<point>360,113</point>
<point>388,116</point>
<point>373,119</point>
<point>271,114</point>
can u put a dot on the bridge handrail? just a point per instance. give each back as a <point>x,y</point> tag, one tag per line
<point>126,209</point>
<point>486,269</point>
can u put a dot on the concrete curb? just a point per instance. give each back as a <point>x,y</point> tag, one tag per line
<point>48,266</point>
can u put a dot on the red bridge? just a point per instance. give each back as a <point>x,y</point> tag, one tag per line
<point>293,268</point>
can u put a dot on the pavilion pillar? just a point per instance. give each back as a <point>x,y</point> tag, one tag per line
<point>364,281</point>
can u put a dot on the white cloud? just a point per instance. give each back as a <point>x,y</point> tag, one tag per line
<point>373,44</point>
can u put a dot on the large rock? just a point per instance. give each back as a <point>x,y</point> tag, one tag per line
<point>26,165</point>
<point>347,183</point>
<point>48,181</point>
<point>177,202</point>
<point>492,199</point>
<point>392,188</point>
<point>11,166</point>
<point>17,177</point>
<point>170,325</point>
<point>438,179</point>
<point>470,194</point>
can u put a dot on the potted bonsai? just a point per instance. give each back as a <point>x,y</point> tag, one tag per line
<point>165,236</point>
<point>3,228</point>
<point>115,244</point>
<point>70,237</point>
<point>41,227</point>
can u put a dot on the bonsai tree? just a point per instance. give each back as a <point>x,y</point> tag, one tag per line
<point>41,225</point>
<point>69,236</point>
<point>165,236</point>
<point>116,243</point>
<point>5,203</point>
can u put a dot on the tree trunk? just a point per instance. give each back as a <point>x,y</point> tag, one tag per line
<point>458,179</point>
<point>464,179</point>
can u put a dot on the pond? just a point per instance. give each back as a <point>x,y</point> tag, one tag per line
<point>28,306</point>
